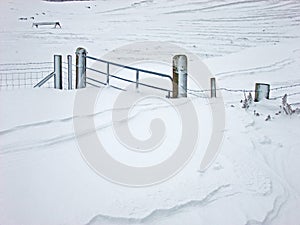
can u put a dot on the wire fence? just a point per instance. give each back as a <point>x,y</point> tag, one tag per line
<point>205,92</point>
<point>23,75</point>
<point>26,75</point>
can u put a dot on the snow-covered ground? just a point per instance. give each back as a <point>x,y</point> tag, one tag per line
<point>254,180</point>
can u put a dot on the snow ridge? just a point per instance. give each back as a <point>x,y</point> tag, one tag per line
<point>161,213</point>
<point>273,213</point>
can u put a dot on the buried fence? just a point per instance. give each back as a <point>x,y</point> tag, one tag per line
<point>66,75</point>
<point>28,75</point>
<point>23,75</point>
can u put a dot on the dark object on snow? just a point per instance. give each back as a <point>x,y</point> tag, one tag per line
<point>46,23</point>
<point>268,118</point>
<point>261,91</point>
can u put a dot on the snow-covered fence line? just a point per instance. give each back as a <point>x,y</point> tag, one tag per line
<point>27,75</point>
<point>277,92</point>
<point>241,90</point>
<point>179,81</point>
<point>23,75</point>
<point>78,75</point>
<point>63,74</point>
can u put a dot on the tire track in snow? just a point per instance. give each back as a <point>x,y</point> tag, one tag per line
<point>271,21</point>
<point>216,6</point>
<point>262,69</point>
<point>47,142</point>
<point>132,6</point>
<point>67,119</point>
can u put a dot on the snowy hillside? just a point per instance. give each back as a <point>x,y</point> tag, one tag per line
<point>254,179</point>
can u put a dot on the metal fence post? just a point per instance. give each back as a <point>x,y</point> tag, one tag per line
<point>179,76</point>
<point>58,71</point>
<point>69,72</point>
<point>213,91</point>
<point>80,68</point>
<point>261,91</point>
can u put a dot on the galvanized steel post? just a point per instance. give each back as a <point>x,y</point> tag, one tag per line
<point>179,76</point>
<point>80,68</point>
<point>58,71</point>
<point>69,72</point>
<point>213,89</point>
<point>261,91</point>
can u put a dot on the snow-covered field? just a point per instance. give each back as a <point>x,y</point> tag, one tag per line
<point>255,178</point>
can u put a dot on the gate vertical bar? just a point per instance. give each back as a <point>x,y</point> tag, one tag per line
<point>58,71</point>
<point>107,73</point>
<point>179,76</point>
<point>213,88</point>
<point>80,68</point>
<point>137,79</point>
<point>69,72</point>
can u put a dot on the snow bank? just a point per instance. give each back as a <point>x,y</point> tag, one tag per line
<point>254,180</point>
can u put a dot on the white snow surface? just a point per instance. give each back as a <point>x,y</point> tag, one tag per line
<point>255,178</point>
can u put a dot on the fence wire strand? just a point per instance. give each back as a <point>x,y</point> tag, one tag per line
<point>24,64</point>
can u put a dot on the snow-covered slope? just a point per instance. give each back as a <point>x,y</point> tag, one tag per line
<point>208,28</point>
<point>254,180</point>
